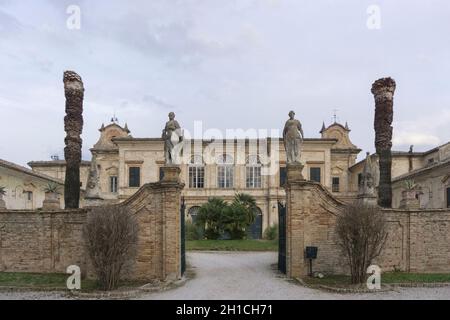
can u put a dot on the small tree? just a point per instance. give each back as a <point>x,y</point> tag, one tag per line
<point>361,234</point>
<point>210,216</point>
<point>236,219</point>
<point>219,217</point>
<point>110,235</point>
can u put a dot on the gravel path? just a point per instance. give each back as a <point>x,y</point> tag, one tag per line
<point>244,276</point>
<point>228,276</point>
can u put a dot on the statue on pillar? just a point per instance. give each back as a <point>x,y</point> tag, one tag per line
<point>366,188</point>
<point>93,183</point>
<point>293,138</point>
<point>172,136</point>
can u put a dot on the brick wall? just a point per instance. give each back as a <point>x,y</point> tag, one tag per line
<point>48,242</point>
<point>36,241</point>
<point>418,240</point>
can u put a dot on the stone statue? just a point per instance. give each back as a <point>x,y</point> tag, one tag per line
<point>293,138</point>
<point>172,136</point>
<point>93,183</point>
<point>367,184</point>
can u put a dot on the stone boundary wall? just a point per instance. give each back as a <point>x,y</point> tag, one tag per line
<point>418,240</point>
<point>50,241</point>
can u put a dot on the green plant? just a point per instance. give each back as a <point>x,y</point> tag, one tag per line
<point>193,231</point>
<point>409,184</point>
<point>51,187</point>
<point>220,218</point>
<point>236,219</point>
<point>210,217</point>
<point>271,232</point>
<point>2,191</point>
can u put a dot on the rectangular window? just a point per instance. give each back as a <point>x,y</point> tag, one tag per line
<point>335,184</point>
<point>134,177</point>
<point>283,175</point>
<point>113,184</point>
<point>314,174</point>
<point>359,178</point>
<point>196,177</point>
<point>448,197</point>
<point>161,174</point>
<point>253,177</point>
<point>28,195</point>
<point>225,176</point>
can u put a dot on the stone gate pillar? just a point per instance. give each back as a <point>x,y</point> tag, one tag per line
<point>157,208</point>
<point>296,201</point>
<point>171,239</point>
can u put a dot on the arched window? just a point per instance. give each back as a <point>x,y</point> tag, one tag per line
<point>225,171</point>
<point>253,172</point>
<point>196,172</point>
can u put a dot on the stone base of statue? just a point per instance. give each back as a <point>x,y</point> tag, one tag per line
<point>93,202</point>
<point>171,173</point>
<point>294,172</point>
<point>367,200</point>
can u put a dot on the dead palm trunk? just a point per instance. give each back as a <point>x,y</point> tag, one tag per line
<point>73,125</point>
<point>383,91</point>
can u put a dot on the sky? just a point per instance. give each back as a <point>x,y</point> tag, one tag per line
<point>230,64</point>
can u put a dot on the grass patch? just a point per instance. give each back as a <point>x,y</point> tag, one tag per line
<point>233,245</point>
<point>51,280</point>
<point>386,278</point>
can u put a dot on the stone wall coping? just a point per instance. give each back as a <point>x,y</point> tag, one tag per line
<point>68,211</point>
<point>410,211</point>
<point>317,186</point>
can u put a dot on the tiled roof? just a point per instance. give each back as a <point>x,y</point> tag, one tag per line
<point>16,167</point>
<point>416,172</point>
<point>54,163</point>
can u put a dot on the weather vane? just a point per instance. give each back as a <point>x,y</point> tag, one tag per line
<point>335,117</point>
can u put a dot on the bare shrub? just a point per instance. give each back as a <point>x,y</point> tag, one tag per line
<point>361,234</point>
<point>110,235</point>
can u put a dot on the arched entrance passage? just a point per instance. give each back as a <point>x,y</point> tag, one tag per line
<point>255,229</point>
<point>192,213</point>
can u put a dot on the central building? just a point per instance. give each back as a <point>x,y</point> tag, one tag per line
<point>221,169</point>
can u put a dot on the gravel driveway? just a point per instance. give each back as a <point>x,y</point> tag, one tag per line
<point>244,275</point>
<point>247,275</point>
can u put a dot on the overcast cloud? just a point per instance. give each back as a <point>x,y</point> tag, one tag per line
<point>230,63</point>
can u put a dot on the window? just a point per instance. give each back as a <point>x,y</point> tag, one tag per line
<point>134,177</point>
<point>359,178</point>
<point>196,173</point>
<point>113,184</point>
<point>283,175</point>
<point>161,174</point>
<point>314,174</point>
<point>448,197</point>
<point>225,172</point>
<point>253,172</point>
<point>335,184</point>
<point>28,195</point>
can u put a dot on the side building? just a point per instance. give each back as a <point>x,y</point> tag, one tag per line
<point>427,174</point>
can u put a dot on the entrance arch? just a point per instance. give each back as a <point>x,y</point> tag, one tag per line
<point>255,229</point>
